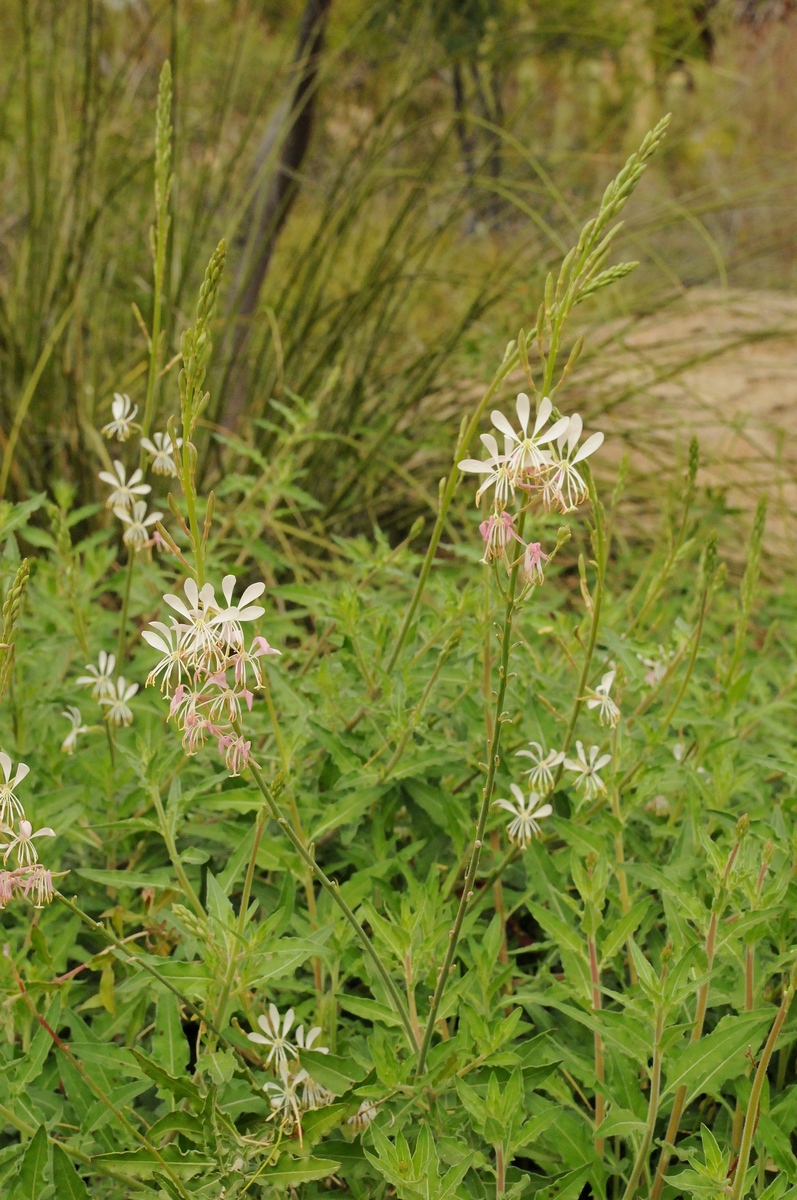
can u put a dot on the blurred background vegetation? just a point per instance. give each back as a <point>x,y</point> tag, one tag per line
<point>394,180</point>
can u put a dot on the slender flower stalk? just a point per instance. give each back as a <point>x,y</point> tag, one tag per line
<point>493,759</point>
<point>653,1104</point>
<point>600,1069</point>
<point>272,809</point>
<point>753,1106</point>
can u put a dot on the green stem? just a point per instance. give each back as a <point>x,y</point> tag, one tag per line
<point>751,1120</point>
<point>120,657</point>
<point>597,602</point>
<point>243,911</point>
<point>331,887</point>
<point>692,660</point>
<point>493,760</point>
<point>174,854</point>
<point>653,1109</point>
<point>508,365</point>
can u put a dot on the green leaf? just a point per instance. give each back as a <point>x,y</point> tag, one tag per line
<point>181,1089</point>
<point>371,1010</point>
<point>169,1045</point>
<point>107,1055</point>
<point>623,930</point>
<point>556,928</point>
<point>142,1163</point>
<point>331,1071</point>
<point>288,1172</point>
<point>564,1187</point>
<point>705,1065</point>
<point>621,1122</point>
<point>131,879</point>
<point>68,1184</point>
<point>30,1181</point>
<point>176,1122</point>
<point>31,1066</point>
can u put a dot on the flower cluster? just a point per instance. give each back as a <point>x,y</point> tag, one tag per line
<point>294,1091</point>
<point>542,459</point>
<point>125,496</point>
<point>29,878</point>
<point>526,814</point>
<point>206,667</point>
<point>112,695</point>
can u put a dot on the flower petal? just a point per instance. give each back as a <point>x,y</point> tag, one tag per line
<point>543,413</point>
<point>490,444</point>
<point>475,464</point>
<point>556,430</point>
<point>156,642</point>
<point>500,421</point>
<point>252,592</point>
<point>590,446</point>
<point>523,408</point>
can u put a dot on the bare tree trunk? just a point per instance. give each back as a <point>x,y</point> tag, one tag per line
<point>273,202</point>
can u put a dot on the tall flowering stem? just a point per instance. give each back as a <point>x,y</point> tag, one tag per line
<point>493,759</point>
<point>600,547</point>
<point>653,1102</point>
<point>195,347</point>
<point>448,489</point>
<point>159,239</point>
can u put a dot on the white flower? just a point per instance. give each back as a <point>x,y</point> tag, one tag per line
<point>198,637</point>
<point>162,450</point>
<point>498,469</point>
<point>314,1095</point>
<point>565,488</point>
<point>72,714</point>
<point>40,882</point>
<point>541,773</point>
<point>657,667</point>
<point>167,642</point>
<point>600,699</point>
<point>137,533</point>
<point>306,1042</point>
<point>659,806</point>
<point>22,842</point>
<point>243,657</point>
<point>119,712</point>
<point>125,490</point>
<point>525,814</point>
<point>275,1035</point>
<point>100,678</point>
<point>124,415</point>
<point>10,806</point>
<point>283,1095</point>
<point>526,454</point>
<point>364,1116</point>
<point>229,619</point>
<point>588,770</point>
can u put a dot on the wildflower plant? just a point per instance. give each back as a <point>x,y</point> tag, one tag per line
<point>398,874</point>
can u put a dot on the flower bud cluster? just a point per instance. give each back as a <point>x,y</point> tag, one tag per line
<point>29,878</point>
<point>206,667</point>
